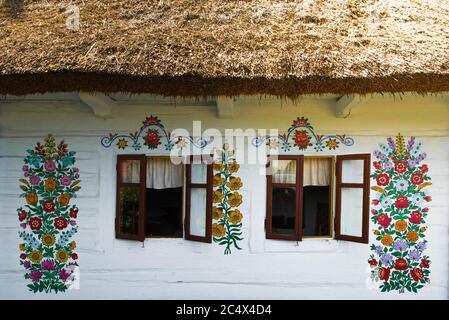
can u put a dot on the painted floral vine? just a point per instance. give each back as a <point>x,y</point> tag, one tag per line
<point>227,224</point>
<point>151,134</point>
<point>400,213</point>
<point>302,136</point>
<point>48,219</point>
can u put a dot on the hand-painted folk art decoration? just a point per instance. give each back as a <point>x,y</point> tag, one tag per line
<point>151,134</point>
<point>49,217</point>
<point>227,224</point>
<point>400,213</point>
<point>301,135</point>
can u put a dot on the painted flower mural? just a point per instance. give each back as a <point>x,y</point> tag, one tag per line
<point>400,213</point>
<point>49,217</point>
<point>302,135</point>
<point>227,224</point>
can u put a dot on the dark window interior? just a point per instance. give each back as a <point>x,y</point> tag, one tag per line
<point>164,212</point>
<point>316,211</point>
<point>283,211</point>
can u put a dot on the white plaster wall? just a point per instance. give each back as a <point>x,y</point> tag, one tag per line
<point>175,268</point>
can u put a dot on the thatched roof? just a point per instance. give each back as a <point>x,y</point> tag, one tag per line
<point>217,47</point>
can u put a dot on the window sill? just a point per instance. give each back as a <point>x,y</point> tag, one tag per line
<point>318,245</point>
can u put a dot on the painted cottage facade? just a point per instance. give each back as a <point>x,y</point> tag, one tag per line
<point>127,172</point>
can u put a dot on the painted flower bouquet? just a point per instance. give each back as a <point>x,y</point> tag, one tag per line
<point>227,228</point>
<point>48,219</point>
<point>400,213</point>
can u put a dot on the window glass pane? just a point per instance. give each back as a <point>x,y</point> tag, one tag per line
<point>316,211</point>
<point>351,211</point>
<point>284,171</point>
<point>129,210</point>
<point>130,171</point>
<point>317,171</point>
<point>199,173</point>
<point>198,212</point>
<point>352,171</point>
<point>283,211</point>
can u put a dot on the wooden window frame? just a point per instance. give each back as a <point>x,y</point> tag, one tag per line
<point>365,185</point>
<point>297,236</point>
<point>140,236</point>
<point>207,238</point>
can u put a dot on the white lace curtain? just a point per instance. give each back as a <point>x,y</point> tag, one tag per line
<point>316,171</point>
<point>162,174</point>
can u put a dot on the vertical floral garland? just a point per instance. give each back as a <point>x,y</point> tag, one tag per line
<point>227,228</point>
<point>401,210</point>
<point>48,219</point>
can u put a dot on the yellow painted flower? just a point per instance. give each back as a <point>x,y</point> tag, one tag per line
<point>72,245</point>
<point>218,167</point>
<point>400,225</point>
<point>217,180</point>
<point>218,230</point>
<point>235,216</point>
<point>234,183</point>
<point>332,143</point>
<point>48,239</point>
<point>235,199</point>
<point>422,229</point>
<point>31,198</point>
<point>35,256</point>
<point>217,196</point>
<point>122,143</point>
<point>233,167</point>
<point>62,256</point>
<point>387,240</point>
<point>22,247</point>
<point>376,232</point>
<point>64,199</point>
<point>217,213</point>
<point>412,236</point>
<point>50,184</point>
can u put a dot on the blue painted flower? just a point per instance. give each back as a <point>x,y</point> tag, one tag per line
<point>401,185</point>
<point>421,245</point>
<point>378,250</point>
<point>388,165</point>
<point>386,259</point>
<point>417,199</point>
<point>400,244</point>
<point>385,201</point>
<point>414,255</point>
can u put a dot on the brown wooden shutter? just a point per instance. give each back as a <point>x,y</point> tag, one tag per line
<point>298,187</point>
<point>131,194</point>
<point>193,186</point>
<point>352,197</point>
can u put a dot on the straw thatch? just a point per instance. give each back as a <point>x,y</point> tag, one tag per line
<point>213,47</point>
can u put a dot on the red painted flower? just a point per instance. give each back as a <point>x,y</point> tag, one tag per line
<point>35,223</point>
<point>152,139</point>
<point>417,274</point>
<point>383,179</point>
<point>400,166</point>
<point>23,256</point>
<point>384,220</point>
<point>73,213</point>
<point>373,263</point>
<point>60,223</point>
<point>400,264</point>
<point>424,168</point>
<point>302,139</point>
<point>48,206</point>
<point>23,215</point>
<point>377,165</point>
<point>401,202</point>
<point>376,202</point>
<point>416,179</point>
<point>74,256</point>
<point>424,263</point>
<point>303,122</point>
<point>415,217</point>
<point>384,273</point>
<point>425,210</point>
<point>428,198</point>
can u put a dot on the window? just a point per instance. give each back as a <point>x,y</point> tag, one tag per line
<point>300,197</point>
<point>150,199</point>
<point>198,220</point>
